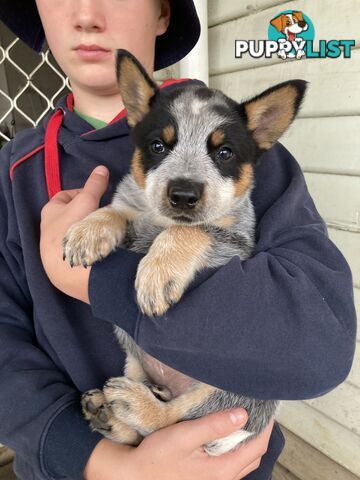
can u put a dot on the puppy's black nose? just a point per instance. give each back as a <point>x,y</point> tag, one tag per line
<point>302,23</point>
<point>184,194</point>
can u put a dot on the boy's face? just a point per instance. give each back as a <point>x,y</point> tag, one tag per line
<point>107,24</point>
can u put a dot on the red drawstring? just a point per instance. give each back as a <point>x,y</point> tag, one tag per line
<point>52,169</point>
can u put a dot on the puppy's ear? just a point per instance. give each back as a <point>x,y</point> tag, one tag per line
<point>269,114</point>
<point>298,16</point>
<point>279,22</point>
<point>136,87</point>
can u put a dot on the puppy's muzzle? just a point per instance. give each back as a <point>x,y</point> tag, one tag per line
<point>184,194</point>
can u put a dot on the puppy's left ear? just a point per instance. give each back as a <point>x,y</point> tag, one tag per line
<point>136,87</point>
<point>298,15</point>
<point>269,114</point>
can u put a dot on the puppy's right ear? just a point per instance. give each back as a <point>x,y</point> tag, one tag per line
<point>136,87</point>
<point>279,22</point>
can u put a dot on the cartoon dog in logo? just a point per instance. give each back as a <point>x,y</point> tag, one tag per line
<point>290,24</point>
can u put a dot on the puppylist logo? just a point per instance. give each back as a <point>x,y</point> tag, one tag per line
<point>291,35</point>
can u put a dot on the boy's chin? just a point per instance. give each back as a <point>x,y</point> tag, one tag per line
<point>100,82</point>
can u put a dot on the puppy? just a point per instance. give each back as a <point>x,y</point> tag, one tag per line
<point>186,205</point>
<point>290,25</point>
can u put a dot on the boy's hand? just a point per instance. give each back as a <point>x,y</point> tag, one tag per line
<point>176,453</point>
<point>63,210</point>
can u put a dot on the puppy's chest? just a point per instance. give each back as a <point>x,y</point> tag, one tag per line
<point>140,235</point>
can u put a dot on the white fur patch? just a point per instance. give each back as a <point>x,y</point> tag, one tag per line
<point>196,106</point>
<point>224,445</point>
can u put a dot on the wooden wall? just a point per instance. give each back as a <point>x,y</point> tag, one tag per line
<point>323,435</point>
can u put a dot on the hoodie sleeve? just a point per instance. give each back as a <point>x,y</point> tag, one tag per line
<point>40,413</point>
<point>280,325</point>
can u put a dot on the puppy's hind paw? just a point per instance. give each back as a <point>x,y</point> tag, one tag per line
<point>102,419</point>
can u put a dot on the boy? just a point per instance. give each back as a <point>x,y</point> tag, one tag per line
<point>52,346</point>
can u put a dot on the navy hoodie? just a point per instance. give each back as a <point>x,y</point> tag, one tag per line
<point>280,325</point>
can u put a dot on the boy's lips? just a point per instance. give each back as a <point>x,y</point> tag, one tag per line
<point>92,52</point>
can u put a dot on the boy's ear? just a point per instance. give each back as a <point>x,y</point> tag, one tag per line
<point>136,87</point>
<point>269,114</point>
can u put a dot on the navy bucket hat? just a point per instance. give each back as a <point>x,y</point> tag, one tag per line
<point>22,18</point>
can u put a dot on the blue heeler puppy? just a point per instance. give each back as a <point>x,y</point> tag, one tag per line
<point>186,205</point>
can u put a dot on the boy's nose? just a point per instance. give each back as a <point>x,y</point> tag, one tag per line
<point>87,15</point>
<point>184,194</point>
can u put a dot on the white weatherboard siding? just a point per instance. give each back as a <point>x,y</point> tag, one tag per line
<point>328,25</point>
<point>323,434</point>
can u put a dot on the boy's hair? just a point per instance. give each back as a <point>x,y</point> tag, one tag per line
<point>180,38</point>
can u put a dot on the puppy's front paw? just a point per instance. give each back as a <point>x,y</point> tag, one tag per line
<point>94,237</point>
<point>157,286</point>
<point>134,404</point>
<point>102,419</point>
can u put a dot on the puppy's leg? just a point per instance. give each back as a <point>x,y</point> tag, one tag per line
<point>94,237</point>
<point>134,404</point>
<point>176,254</point>
<point>102,419</point>
<point>134,371</point>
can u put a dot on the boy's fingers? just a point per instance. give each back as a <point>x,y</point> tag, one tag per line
<point>95,187</point>
<point>97,183</point>
<point>65,196</point>
<point>241,461</point>
<point>249,469</point>
<point>212,426</point>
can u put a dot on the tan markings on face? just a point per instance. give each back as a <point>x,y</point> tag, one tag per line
<point>245,180</point>
<point>266,134</point>
<point>225,221</point>
<point>217,137</point>
<point>169,134</point>
<point>137,168</point>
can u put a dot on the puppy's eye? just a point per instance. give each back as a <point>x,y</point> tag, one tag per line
<point>224,153</point>
<point>157,146</point>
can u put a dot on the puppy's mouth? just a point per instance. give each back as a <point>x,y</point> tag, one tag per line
<point>291,35</point>
<point>182,218</point>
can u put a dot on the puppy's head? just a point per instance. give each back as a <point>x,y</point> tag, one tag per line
<point>291,22</point>
<point>195,148</point>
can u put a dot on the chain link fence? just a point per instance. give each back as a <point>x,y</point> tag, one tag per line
<point>30,85</point>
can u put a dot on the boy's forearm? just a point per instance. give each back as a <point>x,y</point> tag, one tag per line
<point>267,304</point>
<point>73,281</point>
